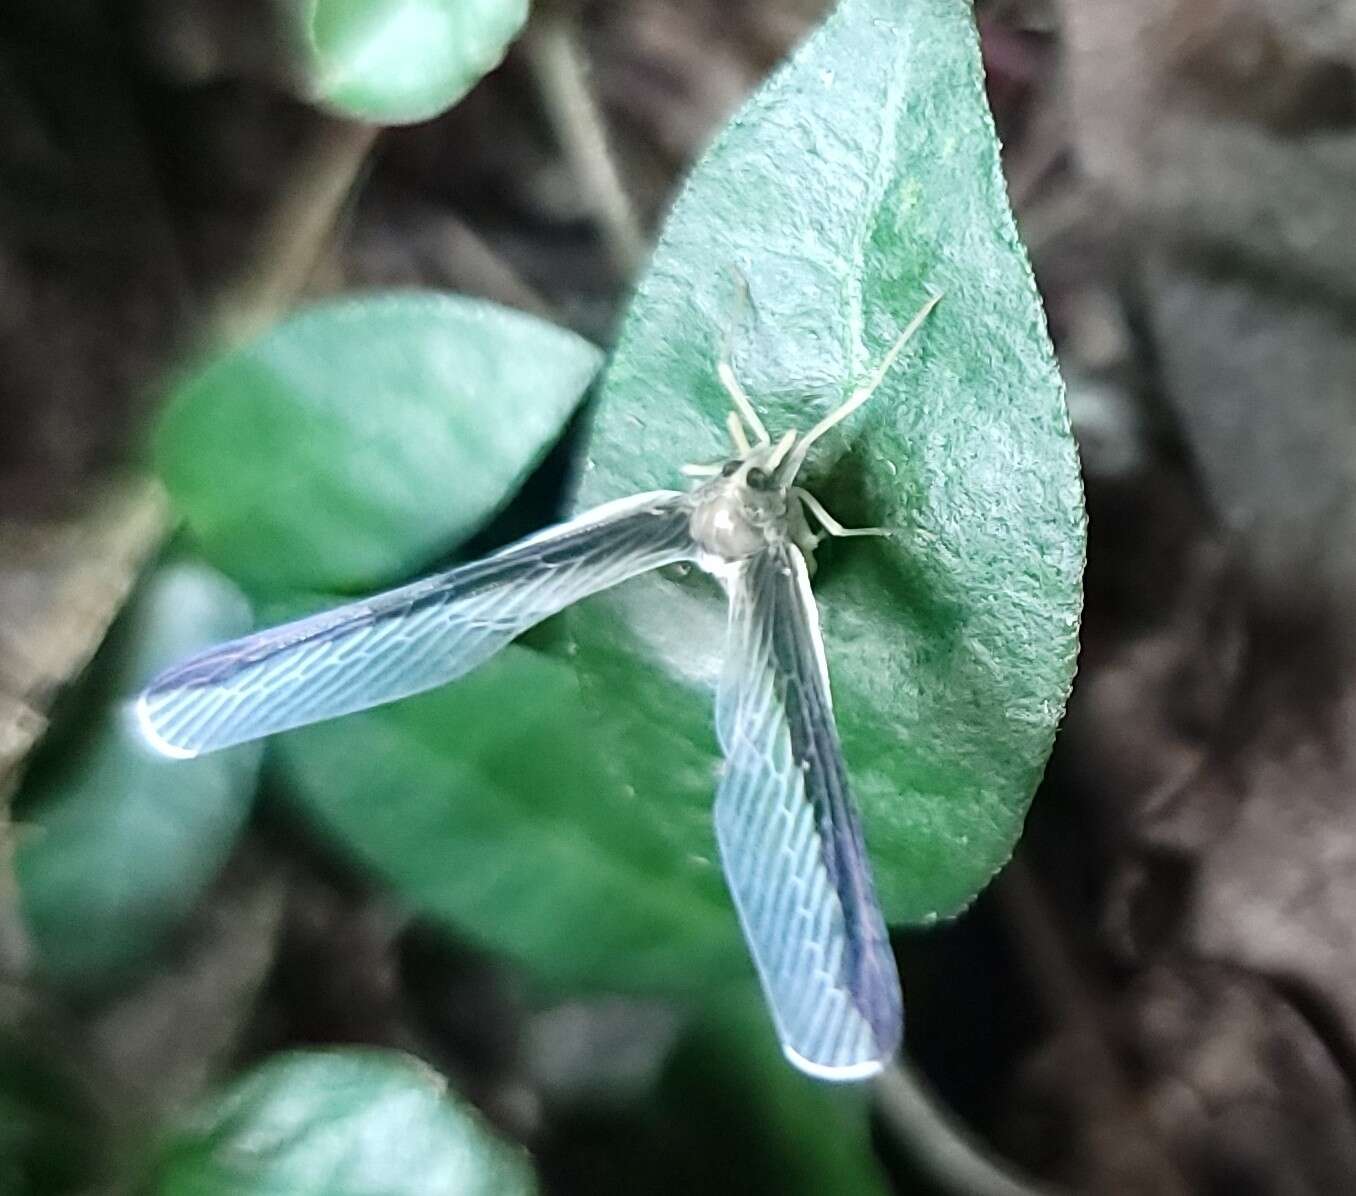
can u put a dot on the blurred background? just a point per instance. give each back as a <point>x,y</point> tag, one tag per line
<point>1159,994</point>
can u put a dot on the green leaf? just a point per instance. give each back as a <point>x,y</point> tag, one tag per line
<point>489,805</point>
<point>340,1123</point>
<point>767,1128</point>
<point>725,1114</point>
<point>116,843</point>
<point>353,442</point>
<point>397,61</point>
<point>861,177</point>
<point>53,1139</point>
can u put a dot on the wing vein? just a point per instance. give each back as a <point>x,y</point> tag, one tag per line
<point>410,639</point>
<point>790,841</point>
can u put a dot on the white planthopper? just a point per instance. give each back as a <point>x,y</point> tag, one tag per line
<point>789,837</point>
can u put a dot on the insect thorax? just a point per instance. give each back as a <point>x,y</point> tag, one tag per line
<point>732,519</point>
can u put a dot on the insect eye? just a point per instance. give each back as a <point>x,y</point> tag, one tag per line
<point>757,479</point>
<point>729,469</point>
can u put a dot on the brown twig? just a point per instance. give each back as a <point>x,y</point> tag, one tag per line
<point>297,230</point>
<point>94,558</point>
<point>552,48</point>
<point>483,271</point>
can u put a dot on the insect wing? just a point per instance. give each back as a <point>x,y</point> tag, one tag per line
<point>410,639</point>
<point>790,841</point>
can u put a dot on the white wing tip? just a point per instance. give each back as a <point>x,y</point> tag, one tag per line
<point>841,1073</point>
<point>146,726</point>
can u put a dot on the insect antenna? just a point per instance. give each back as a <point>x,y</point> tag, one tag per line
<point>725,369</point>
<point>736,430</point>
<point>783,447</point>
<point>862,393</point>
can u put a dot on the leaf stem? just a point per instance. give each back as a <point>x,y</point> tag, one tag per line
<point>936,1143</point>
<point>552,47</point>
<point>297,231</point>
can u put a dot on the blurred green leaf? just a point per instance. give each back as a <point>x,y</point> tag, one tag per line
<point>863,175</point>
<point>726,1114</point>
<point>397,61</point>
<point>340,1123</point>
<point>355,441</point>
<point>52,1137</point>
<point>489,804</point>
<point>763,1126</point>
<point>116,844</point>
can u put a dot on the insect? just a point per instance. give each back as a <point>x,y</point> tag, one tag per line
<point>789,838</point>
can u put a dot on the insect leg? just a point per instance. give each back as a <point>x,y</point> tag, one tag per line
<point>828,522</point>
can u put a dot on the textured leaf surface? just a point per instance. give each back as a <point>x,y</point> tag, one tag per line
<point>396,61</point>
<point>353,442</point>
<point>119,843</point>
<point>340,1123</point>
<point>860,177</point>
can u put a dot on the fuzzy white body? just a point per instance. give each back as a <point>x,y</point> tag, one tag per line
<point>744,509</point>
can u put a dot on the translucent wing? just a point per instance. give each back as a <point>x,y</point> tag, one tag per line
<point>790,841</point>
<point>408,640</point>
